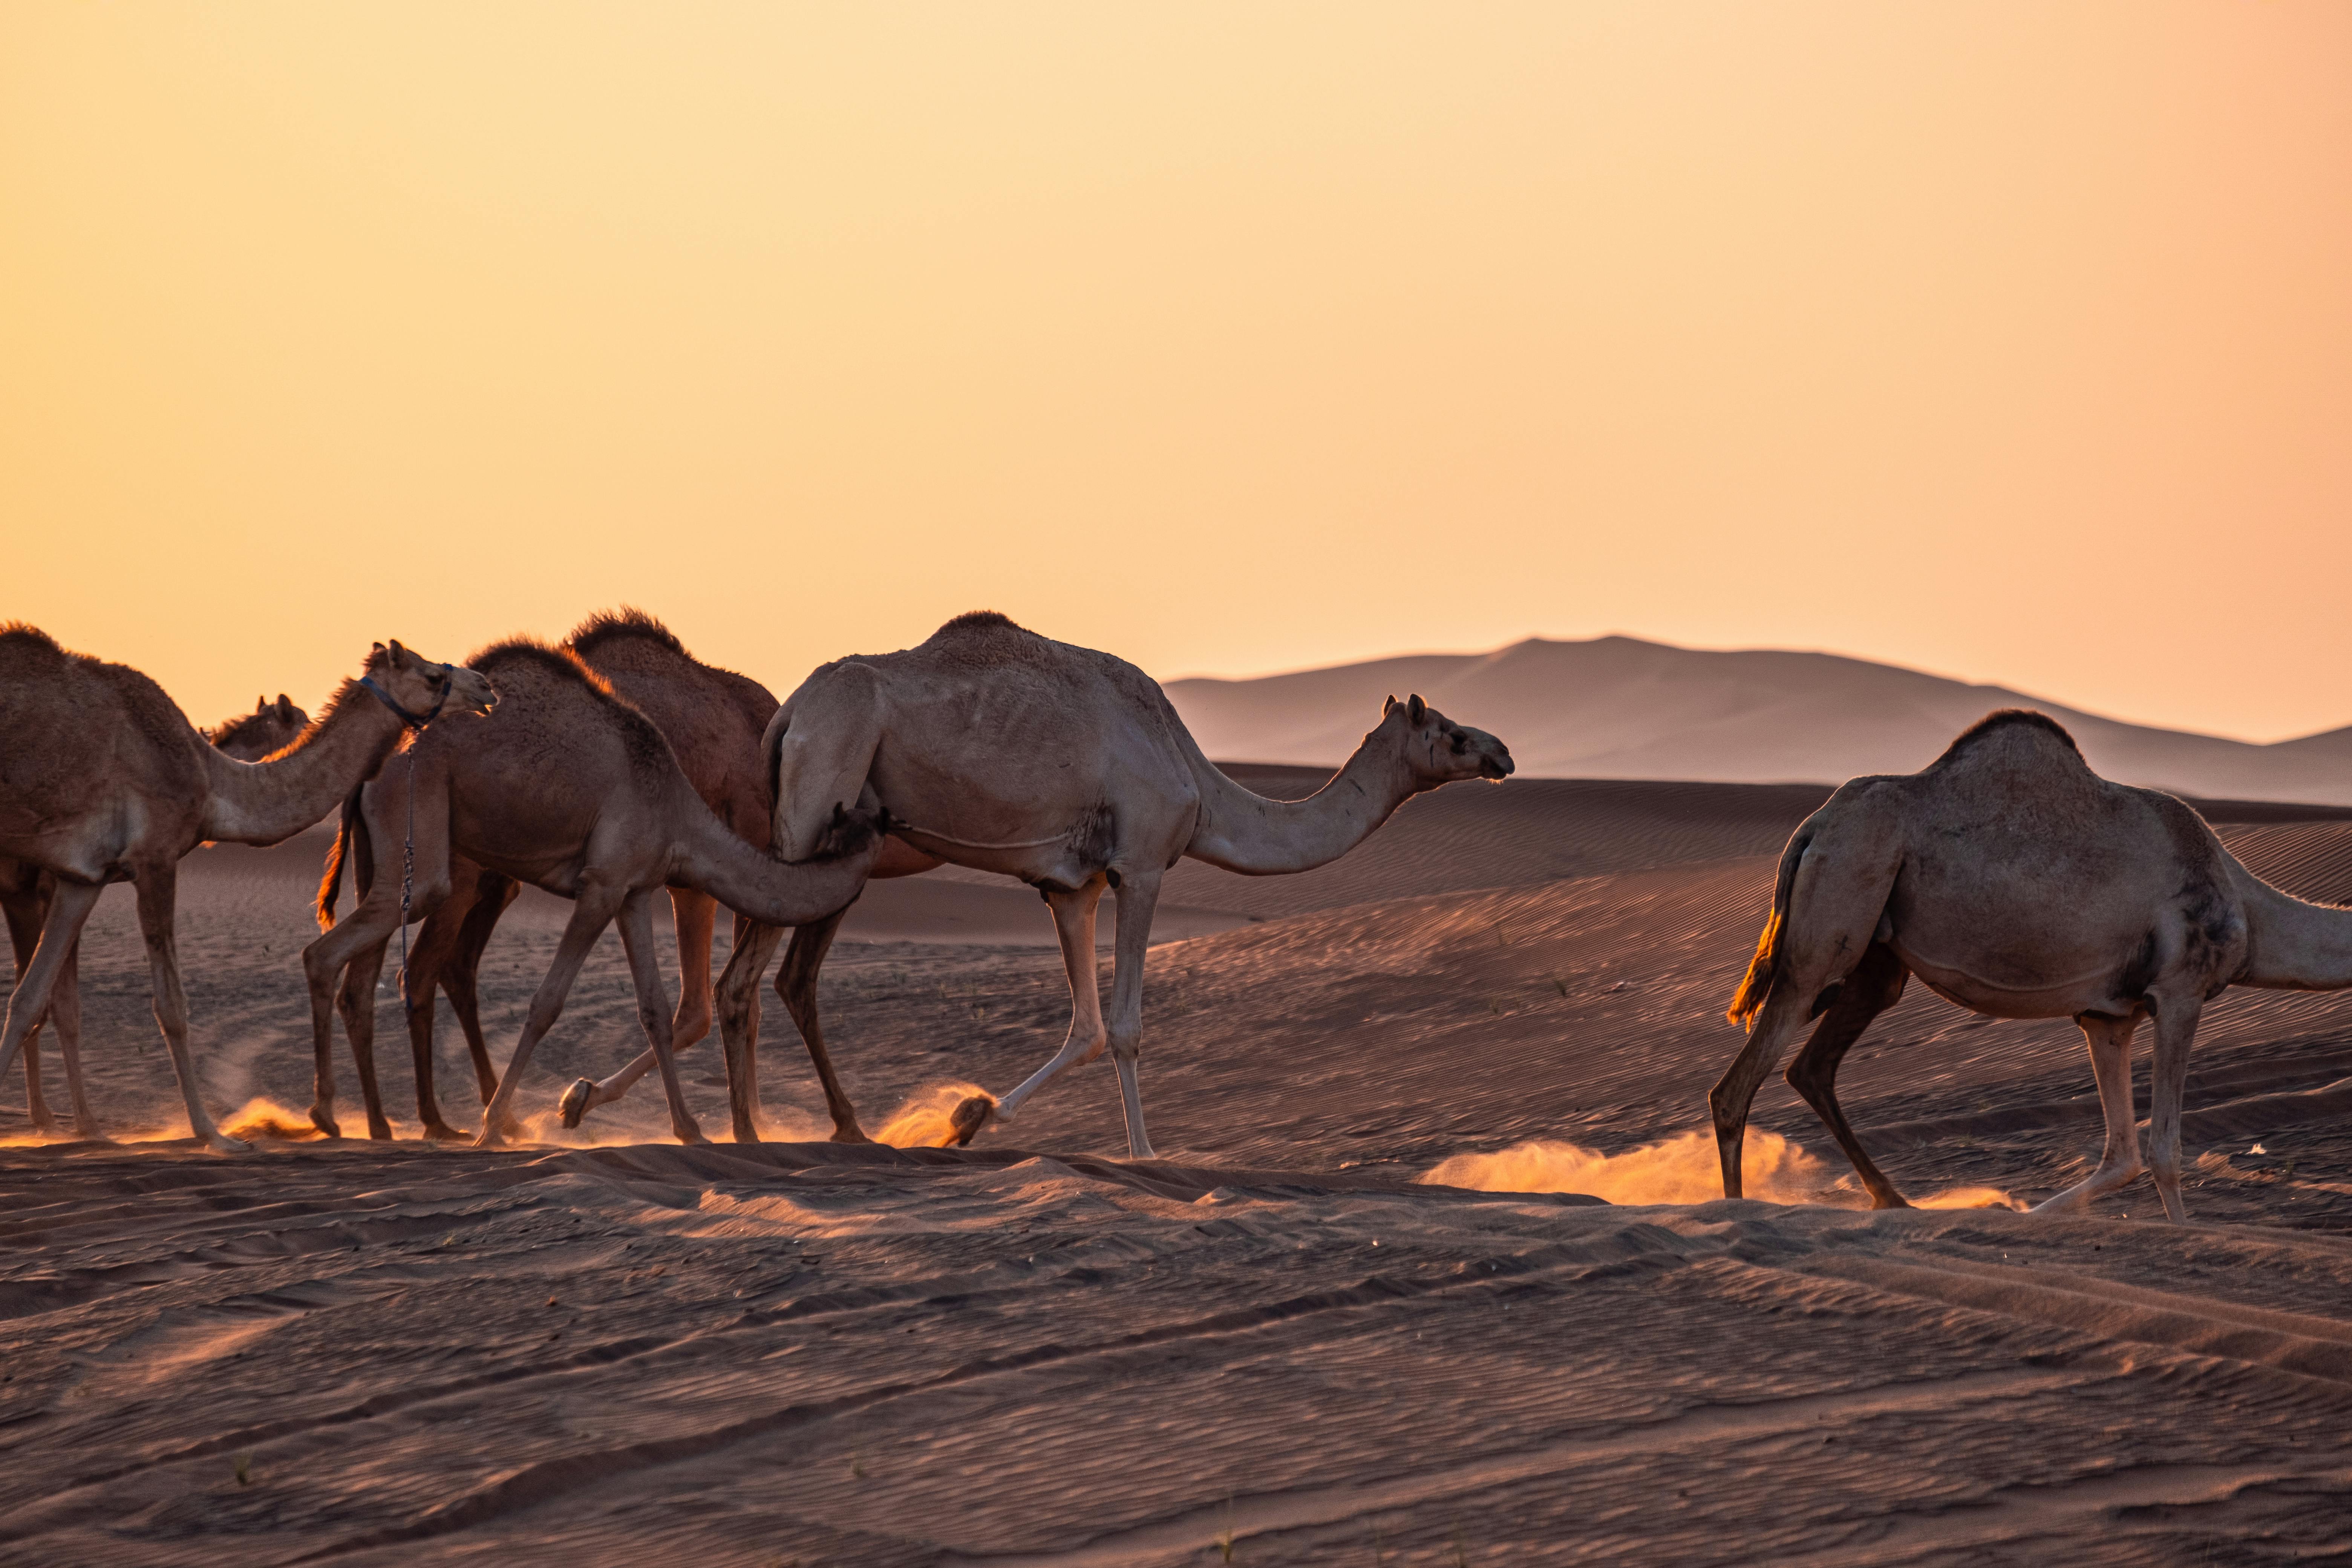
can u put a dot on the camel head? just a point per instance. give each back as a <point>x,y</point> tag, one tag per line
<point>269,728</point>
<point>1439,750</point>
<point>854,829</point>
<point>422,687</point>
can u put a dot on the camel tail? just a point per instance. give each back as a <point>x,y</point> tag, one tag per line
<point>1758,982</point>
<point>351,833</point>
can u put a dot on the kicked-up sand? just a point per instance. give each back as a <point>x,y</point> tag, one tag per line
<point>1340,1321</point>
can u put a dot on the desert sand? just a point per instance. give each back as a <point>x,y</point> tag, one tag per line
<point>1280,1344</point>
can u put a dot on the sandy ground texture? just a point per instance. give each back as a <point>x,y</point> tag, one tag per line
<point>1278,1343</point>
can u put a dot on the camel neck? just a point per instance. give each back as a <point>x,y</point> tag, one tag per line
<point>1243,831</point>
<point>2292,945</point>
<point>264,802</point>
<point>712,859</point>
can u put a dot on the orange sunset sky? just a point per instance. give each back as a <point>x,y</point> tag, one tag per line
<point>2009,341</point>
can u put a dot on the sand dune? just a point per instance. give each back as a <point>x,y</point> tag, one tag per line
<point>1282,1337</point>
<point>1617,707</point>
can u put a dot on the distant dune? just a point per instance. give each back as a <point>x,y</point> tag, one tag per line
<point>1617,707</point>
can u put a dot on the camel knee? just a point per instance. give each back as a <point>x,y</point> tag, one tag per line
<point>1125,1046</point>
<point>692,1023</point>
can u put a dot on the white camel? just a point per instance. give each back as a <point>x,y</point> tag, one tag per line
<point>997,748</point>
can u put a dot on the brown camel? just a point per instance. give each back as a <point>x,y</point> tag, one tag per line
<point>2018,884</point>
<point>712,719</point>
<point>571,789</point>
<point>25,892</point>
<point>102,779</point>
<point>995,748</point>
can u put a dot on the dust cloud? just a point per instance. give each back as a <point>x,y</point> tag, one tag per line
<point>927,1119</point>
<point>1681,1170</point>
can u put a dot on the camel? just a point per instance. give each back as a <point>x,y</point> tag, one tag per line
<point>568,787</point>
<point>2017,883</point>
<point>25,892</point>
<point>992,747</point>
<point>712,719</point>
<point>102,779</point>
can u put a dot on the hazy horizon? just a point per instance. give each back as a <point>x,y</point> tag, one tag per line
<point>2008,341</point>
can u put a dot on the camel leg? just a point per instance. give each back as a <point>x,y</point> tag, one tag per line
<point>2176,1031</point>
<point>1876,984</point>
<point>436,953</point>
<point>36,1104</point>
<point>2110,1041</point>
<point>1836,898</point>
<point>65,1014</point>
<point>738,1004</point>
<point>356,1003</point>
<point>494,893</point>
<point>157,887</point>
<point>341,968</point>
<point>350,995</point>
<point>1074,923</point>
<point>696,917</point>
<point>653,1006</point>
<point>1784,1014</point>
<point>695,914</point>
<point>36,982</point>
<point>1131,939</point>
<point>796,983</point>
<point>591,912</point>
<point>23,907</point>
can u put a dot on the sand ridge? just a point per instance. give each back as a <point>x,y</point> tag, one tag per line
<point>882,1356</point>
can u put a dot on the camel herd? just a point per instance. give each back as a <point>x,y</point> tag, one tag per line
<point>614,767</point>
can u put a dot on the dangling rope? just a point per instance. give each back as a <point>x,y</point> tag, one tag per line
<point>415,724</point>
<point>409,880</point>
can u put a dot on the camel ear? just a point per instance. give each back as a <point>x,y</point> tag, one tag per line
<point>1417,712</point>
<point>1388,706</point>
<point>398,652</point>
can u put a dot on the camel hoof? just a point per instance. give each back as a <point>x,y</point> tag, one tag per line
<point>380,1131</point>
<point>577,1099</point>
<point>692,1137</point>
<point>442,1132</point>
<point>222,1144</point>
<point>971,1116</point>
<point>325,1120</point>
<point>853,1133</point>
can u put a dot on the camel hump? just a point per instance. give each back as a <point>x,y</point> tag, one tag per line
<point>628,622</point>
<point>2013,726</point>
<point>23,638</point>
<point>981,621</point>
